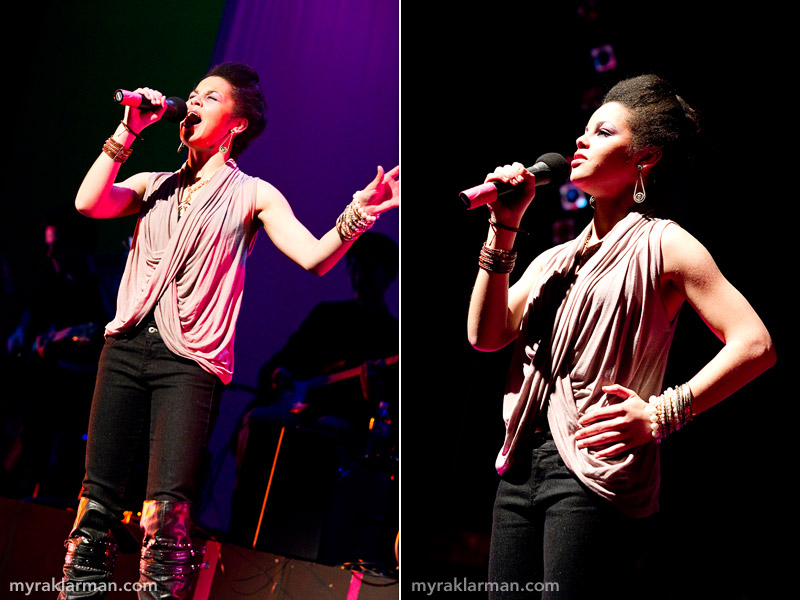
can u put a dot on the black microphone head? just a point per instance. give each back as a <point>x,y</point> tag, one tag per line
<point>176,110</point>
<point>556,171</point>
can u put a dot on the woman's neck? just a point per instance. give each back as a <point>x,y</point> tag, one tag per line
<point>605,217</point>
<point>610,210</point>
<point>200,165</point>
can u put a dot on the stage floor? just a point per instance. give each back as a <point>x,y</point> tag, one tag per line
<point>32,541</point>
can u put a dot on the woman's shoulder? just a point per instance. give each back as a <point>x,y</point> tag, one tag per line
<point>266,194</point>
<point>673,235</point>
<point>682,252</point>
<point>664,231</point>
<point>154,184</point>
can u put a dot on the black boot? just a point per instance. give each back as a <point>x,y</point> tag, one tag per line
<point>170,563</point>
<point>91,552</point>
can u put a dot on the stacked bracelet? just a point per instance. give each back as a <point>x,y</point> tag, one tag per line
<point>494,260</point>
<point>671,411</point>
<point>116,151</point>
<point>354,221</point>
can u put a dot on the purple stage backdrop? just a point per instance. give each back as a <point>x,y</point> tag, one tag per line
<point>330,72</point>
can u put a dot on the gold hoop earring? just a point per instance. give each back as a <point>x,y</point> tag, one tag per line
<point>638,196</point>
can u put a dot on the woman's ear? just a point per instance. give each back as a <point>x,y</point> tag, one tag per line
<point>241,125</point>
<point>649,157</point>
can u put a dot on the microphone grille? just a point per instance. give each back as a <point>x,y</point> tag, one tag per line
<point>179,113</point>
<point>558,165</point>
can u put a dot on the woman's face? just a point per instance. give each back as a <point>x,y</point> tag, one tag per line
<point>604,164</point>
<point>211,107</point>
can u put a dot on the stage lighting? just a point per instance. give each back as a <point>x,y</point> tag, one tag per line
<point>571,197</point>
<point>603,58</point>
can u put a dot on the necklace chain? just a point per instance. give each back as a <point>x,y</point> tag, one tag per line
<point>583,256</point>
<point>186,196</point>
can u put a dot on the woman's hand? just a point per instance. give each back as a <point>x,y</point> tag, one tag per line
<point>137,119</point>
<point>510,208</point>
<point>382,193</point>
<point>617,428</point>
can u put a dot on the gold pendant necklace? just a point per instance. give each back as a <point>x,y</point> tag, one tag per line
<point>185,197</point>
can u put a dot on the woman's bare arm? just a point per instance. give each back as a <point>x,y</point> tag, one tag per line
<point>292,238</point>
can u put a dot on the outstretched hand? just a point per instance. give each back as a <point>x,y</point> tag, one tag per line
<point>382,193</point>
<point>617,428</point>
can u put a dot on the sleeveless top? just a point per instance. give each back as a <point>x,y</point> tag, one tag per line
<point>190,271</point>
<point>606,324</point>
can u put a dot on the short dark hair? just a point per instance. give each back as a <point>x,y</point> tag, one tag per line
<point>249,98</point>
<point>662,118</point>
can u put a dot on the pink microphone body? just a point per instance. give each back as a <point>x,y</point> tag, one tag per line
<point>549,168</point>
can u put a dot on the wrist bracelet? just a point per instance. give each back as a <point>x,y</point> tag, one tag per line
<point>354,221</point>
<point>128,129</point>
<point>671,411</point>
<point>507,227</point>
<point>116,151</point>
<point>495,260</point>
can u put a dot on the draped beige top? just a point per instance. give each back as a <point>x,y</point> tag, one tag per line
<point>191,270</point>
<point>605,325</point>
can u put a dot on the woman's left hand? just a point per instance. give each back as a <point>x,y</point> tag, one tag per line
<point>382,194</point>
<point>617,428</point>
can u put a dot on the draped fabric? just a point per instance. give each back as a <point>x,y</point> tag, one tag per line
<point>606,324</point>
<point>191,270</point>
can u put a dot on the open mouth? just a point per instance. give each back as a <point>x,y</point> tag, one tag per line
<point>191,120</point>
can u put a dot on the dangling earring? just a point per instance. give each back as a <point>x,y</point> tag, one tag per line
<point>223,149</point>
<point>638,196</point>
<point>591,201</point>
<point>181,147</point>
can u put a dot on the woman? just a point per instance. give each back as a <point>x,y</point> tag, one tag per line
<point>169,349</point>
<point>593,320</point>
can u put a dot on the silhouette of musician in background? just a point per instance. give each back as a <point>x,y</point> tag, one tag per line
<point>333,391</point>
<point>10,311</point>
<point>53,351</point>
<point>342,361</point>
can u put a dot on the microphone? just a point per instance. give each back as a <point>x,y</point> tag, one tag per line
<point>549,168</point>
<point>176,107</point>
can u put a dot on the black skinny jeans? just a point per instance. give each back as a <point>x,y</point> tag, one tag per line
<point>554,538</point>
<point>142,385</point>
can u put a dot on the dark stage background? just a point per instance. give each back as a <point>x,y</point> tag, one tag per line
<point>508,82</point>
